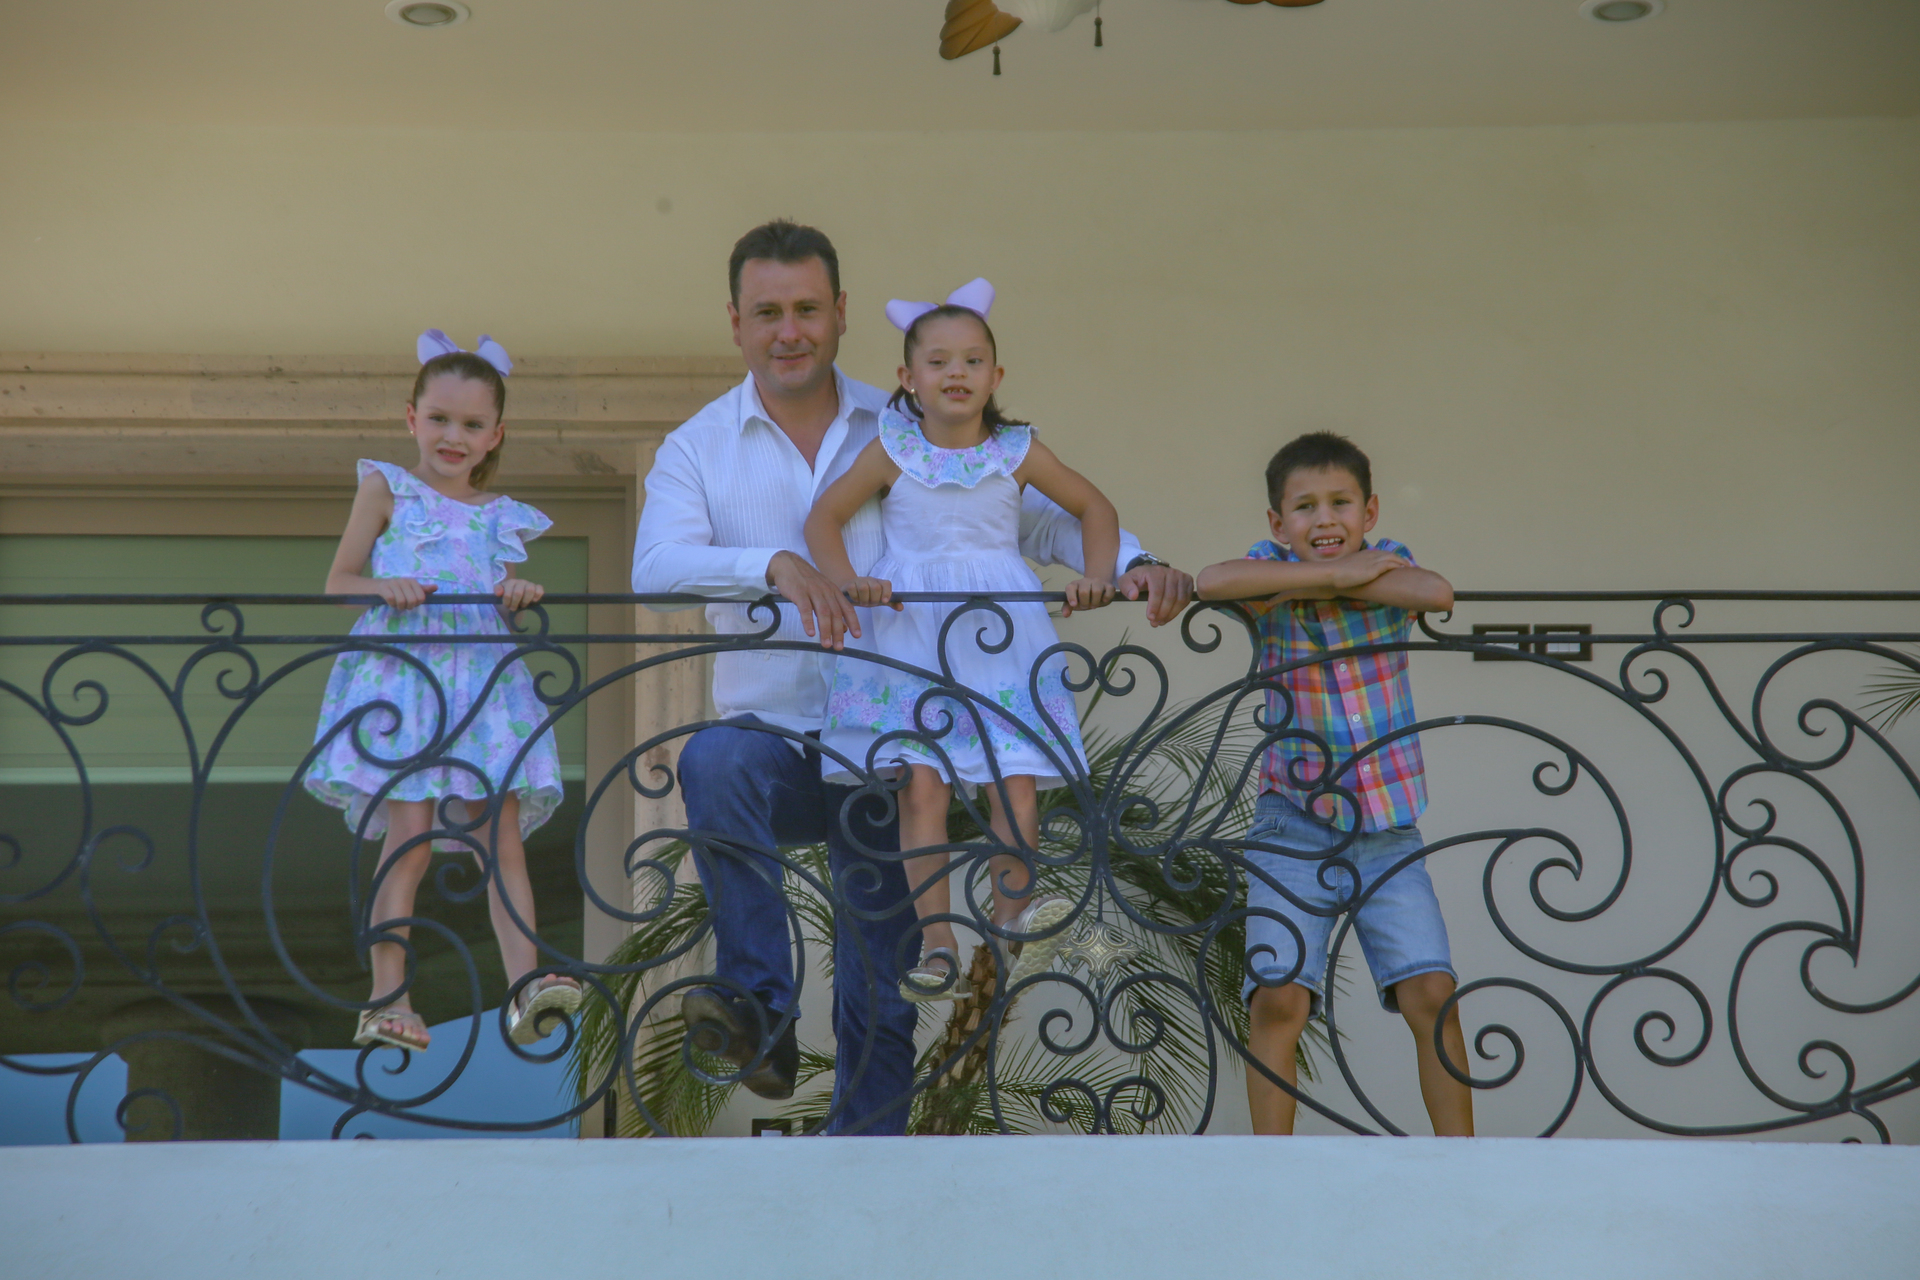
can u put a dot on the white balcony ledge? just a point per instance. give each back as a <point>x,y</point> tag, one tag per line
<point>964,1207</point>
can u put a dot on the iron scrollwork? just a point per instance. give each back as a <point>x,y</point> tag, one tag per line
<point>1641,932</point>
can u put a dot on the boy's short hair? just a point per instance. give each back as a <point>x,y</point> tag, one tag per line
<point>784,242</point>
<point>1312,452</point>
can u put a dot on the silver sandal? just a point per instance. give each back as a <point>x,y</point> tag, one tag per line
<point>534,1015</point>
<point>1035,955</point>
<point>928,982</point>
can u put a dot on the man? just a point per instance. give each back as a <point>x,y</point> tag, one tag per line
<point>726,504</point>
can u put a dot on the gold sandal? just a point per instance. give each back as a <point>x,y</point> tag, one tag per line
<point>413,1034</point>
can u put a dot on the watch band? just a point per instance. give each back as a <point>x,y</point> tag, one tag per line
<point>1144,558</point>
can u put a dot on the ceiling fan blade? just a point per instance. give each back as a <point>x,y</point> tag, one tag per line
<point>972,25</point>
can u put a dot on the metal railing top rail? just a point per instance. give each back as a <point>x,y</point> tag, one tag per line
<point>914,597</point>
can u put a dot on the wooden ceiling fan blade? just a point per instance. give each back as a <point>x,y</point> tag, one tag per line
<point>973,25</point>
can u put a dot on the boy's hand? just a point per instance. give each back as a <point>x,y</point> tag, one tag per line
<point>1087,593</point>
<point>518,593</point>
<point>1362,567</point>
<point>402,593</point>
<point>869,592</point>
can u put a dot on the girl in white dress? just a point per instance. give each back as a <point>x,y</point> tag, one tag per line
<point>951,469</point>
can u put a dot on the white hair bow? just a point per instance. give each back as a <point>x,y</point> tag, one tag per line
<point>436,343</point>
<point>975,295</point>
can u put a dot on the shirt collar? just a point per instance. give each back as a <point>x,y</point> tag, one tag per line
<point>752,410</point>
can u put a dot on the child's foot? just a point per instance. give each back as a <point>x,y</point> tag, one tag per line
<point>1036,955</point>
<point>394,1025</point>
<point>936,977</point>
<point>541,1003</point>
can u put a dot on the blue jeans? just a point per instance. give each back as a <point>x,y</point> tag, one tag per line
<point>1399,924</point>
<point>749,792</point>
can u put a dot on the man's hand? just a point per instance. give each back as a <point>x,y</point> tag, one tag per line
<point>402,593</point>
<point>1363,566</point>
<point>518,593</point>
<point>824,612</point>
<point>1168,590</point>
<point>1087,593</point>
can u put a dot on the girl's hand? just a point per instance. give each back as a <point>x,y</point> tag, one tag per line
<point>518,593</point>
<point>1087,593</point>
<point>402,593</point>
<point>870,592</point>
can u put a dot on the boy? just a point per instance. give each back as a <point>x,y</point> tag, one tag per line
<point>1326,590</point>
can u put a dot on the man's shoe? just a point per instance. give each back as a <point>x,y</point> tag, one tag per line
<point>724,1025</point>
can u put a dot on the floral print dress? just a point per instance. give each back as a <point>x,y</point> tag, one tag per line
<point>952,524</point>
<point>461,548</point>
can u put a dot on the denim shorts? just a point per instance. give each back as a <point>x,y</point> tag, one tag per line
<point>1400,928</point>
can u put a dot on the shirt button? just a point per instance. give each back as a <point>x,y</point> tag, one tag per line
<point>1343,666</point>
<point>1366,768</point>
<point>1356,719</point>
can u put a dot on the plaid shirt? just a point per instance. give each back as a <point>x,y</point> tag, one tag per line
<point>1347,703</point>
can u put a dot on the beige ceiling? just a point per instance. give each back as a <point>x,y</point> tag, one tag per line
<point>784,65</point>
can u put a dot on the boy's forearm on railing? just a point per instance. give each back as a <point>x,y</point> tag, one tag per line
<point>1262,579</point>
<point>1412,588</point>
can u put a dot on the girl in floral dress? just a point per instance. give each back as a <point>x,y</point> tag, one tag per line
<point>951,468</point>
<point>413,533</point>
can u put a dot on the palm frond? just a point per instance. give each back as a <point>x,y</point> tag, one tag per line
<point>1893,696</point>
<point>1190,774</point>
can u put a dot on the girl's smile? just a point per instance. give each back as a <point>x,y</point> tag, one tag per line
<point>952,374</point>
<point>456,425</point>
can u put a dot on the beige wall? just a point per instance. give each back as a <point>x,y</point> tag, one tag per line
<point>1581,356</point>
<point>1679,355</point>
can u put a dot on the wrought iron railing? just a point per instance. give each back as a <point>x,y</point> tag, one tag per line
<point>1667,826</point>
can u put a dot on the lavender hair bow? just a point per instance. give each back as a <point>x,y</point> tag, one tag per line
<point>975,295</point>
<point>436,343</point>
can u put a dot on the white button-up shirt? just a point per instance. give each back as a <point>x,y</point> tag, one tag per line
<point>729,490</point>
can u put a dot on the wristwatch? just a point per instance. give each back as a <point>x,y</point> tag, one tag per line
<point>1145,558</point>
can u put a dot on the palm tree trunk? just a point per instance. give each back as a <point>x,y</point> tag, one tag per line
<point>951,1103</point>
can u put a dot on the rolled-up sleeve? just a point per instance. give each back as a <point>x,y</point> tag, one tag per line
<point>673,551</point>
<point>1050,535</point>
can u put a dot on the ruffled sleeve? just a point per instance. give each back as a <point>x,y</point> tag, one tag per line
<point>515,524</point>
<point>415,514</point>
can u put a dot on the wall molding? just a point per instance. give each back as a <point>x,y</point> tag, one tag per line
<point>66,415</point>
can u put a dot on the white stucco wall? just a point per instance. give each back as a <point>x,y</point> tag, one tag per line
<point>1582,357</point>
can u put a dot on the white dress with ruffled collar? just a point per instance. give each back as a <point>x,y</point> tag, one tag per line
<point>952,524</point>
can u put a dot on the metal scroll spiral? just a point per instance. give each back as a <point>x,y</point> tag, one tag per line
<point>1583,999</point>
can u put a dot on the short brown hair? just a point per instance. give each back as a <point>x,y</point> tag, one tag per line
<point>465,364</point>
<point>1313,452</point>
<point>782,241</point>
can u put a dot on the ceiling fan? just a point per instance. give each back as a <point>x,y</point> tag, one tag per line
<point>972,25</point>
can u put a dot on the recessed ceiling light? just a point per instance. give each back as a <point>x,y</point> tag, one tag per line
<point>427,13</point>
<point>1614,12</point>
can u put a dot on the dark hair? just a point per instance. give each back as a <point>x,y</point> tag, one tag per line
<point>782,241</point>
<point>991,415</point>
<point>1312,452</point>
<point>465,364</point>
